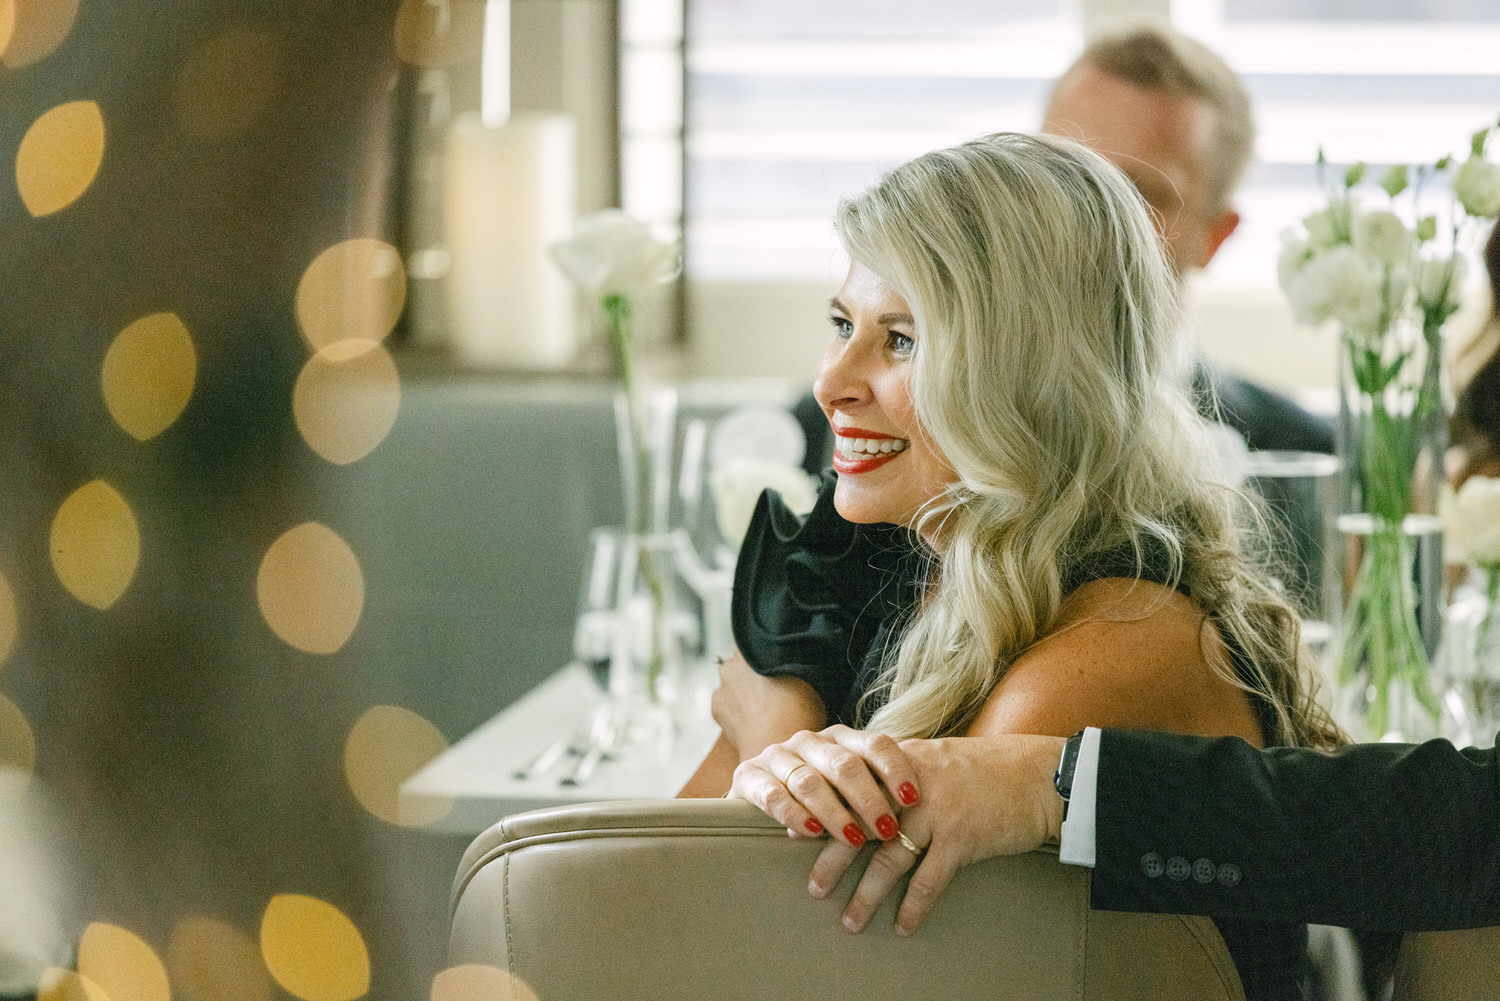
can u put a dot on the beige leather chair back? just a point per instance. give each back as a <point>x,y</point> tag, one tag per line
<point>707,899</point>
<point>1449,966</point>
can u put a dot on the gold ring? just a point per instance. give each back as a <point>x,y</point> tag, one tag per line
<point>788,780</point>
<point>908,843</point>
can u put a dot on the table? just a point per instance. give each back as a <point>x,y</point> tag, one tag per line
<point>477,774</point>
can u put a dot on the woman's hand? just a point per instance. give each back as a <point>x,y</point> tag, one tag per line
<point>966,798</point>
<point>754,710</point>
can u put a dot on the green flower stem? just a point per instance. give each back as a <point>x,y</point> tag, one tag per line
<point>637,485</point>
<point>1382,639</point>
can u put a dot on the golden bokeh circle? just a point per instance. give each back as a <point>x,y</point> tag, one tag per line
<point>386,747</point>
<point>60,156</point>
<point>346,400</point>
<point>226,84</point>
<point>148,374</point>
<point>354,290</point>
<point>7,25</point>
<point>17,751</point>
<point>211,960</point>
<point>10,619</point>
<point>313,950</point>
<point>310,589</point>
<point>65,985</point>
<point>434,35</point>
<point>39,28</point>
<point>95,544</point>
<point>477,982</point>
<point>122,964</point>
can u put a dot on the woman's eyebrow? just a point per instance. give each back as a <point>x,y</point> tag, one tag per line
<point>889,319</point>
<point>837,306</point>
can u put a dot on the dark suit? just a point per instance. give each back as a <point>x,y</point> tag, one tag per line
<point>1263,417</point>
<point>1379,836</point>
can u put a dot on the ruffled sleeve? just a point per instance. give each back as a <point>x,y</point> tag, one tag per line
<point>811,594</point>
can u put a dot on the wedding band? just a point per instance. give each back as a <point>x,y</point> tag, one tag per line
<point>910,845</point>
<point>788,780</point>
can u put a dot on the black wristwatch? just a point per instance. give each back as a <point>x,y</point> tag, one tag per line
<point>1063,780</point>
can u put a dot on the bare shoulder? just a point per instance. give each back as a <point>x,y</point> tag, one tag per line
<point>1125,653</point>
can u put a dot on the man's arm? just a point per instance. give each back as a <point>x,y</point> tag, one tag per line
<point>1385,836</point>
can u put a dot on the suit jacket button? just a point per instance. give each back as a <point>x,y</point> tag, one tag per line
<point>1152,865</point>
<point>1229,874</point>
<point>1178,868</point>
<point>1203,871</point>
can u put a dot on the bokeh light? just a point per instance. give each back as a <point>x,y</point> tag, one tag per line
<point>122,964</point>
<point>96,545</point>
<point>39,28</point>
<point>313,950</point>
<point>65,985</point>
<point>310,588</point>
<point>7,25</point>
<point>210,960</point>
<point>385,748</point>
<point>346,400</point>
<point>354,290</point>
<point>17,752</point>
<point>476,982</point>
<point>148,375</point>
<point>60,156</point>
<point>226,83</point>
<point>434,35</point>
<point>9,619</point>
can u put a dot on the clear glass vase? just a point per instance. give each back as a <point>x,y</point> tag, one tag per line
<point>1468,662</point>
<point>1392,434</point>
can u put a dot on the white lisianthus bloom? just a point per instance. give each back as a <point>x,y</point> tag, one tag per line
<point>1440,282</point>
<point>1295,253</point>
<point>1477,186</point>
<point>613,253</point>
<point>1329,227</point>
<point>736,486</point>
<point>1338,285</point>
<point>1471,522</point>
<point>1381,237</point>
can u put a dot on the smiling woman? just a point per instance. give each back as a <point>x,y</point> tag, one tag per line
<point>1043,546</point>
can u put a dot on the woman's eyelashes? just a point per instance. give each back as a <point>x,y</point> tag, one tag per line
<point>901,345</point>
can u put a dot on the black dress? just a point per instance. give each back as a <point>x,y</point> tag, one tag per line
<point>823,599</point>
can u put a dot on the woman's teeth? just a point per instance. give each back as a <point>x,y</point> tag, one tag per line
<point>855,448</point>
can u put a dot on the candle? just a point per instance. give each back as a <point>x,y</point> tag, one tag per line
<point>510,192</point>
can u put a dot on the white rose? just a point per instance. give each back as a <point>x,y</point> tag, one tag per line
<point>1472,522</point>
<point>1439,282</point>
<point>1339,285</point>
<point>612,252</point>
<point>737,484</point>
<point>1477,185</point>
<point>1328,228</point>
<point>1382,237</point>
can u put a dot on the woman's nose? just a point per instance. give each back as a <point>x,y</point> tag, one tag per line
<point>843,377</point>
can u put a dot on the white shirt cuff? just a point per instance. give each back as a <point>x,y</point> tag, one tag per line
<point>1077,847</point>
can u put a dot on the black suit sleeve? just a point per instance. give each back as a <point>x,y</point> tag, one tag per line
<point>1381,836</point>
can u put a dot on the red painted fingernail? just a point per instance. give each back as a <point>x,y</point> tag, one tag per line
<point>854,835</point>
<point>908,793</point>
<point>886,827</point>
<point>812,825</point>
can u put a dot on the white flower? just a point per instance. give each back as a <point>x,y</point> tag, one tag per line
<point>1381,237</point>
<point>1295,253</point>
<point>614,253</point>
<point>1477,185</point>
<point>737,485</point>
<point>1338,285</point>
<point>1329,227</point>
<point>1438,287</point>
<point>1472,522</point>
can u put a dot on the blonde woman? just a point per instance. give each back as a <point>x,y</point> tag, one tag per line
<point>1023,534</point>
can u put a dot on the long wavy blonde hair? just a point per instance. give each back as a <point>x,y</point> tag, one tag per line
<point>1050,372</point>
